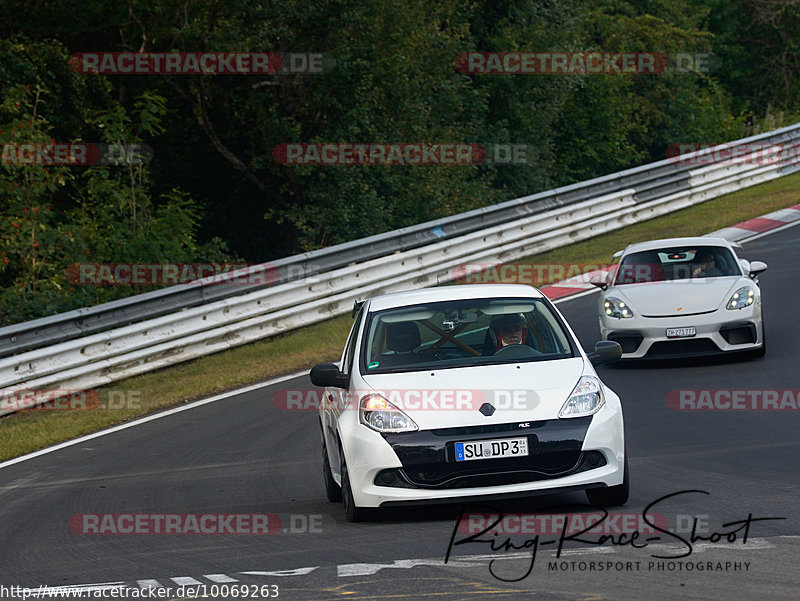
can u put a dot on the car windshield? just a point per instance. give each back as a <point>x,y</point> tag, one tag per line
<point>678,263</point>
<point>463,333</point>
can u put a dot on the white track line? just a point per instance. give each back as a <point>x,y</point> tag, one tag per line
<point>185,581</point>
<point>592,290</point>
<point>149,418</point>
<point>220,578</point>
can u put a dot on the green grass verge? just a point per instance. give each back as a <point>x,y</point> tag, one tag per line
<point>695,221</point>
<point>28,431</point>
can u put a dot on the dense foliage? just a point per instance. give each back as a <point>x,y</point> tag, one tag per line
<point>213,189</point>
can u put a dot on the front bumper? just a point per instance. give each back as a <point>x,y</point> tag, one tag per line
<point>720,331</point>
<point>428,456</point>
<point>397,469</point>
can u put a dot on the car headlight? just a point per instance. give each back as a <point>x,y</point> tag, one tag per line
<point>614,307</point>
<point>586,398</point>
<point>742,298</point>
<point>377,413</point>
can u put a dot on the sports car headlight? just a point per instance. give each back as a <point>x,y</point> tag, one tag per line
<point>586,398</point>
<point>616,308</point>
<point>377,413</point>
<point>742,298</point>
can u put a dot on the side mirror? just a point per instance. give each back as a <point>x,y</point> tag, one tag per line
<point>600,280</point>
<point>605,351</point>
<point>745,265</point>
<point>327,375</point>
<point>757,267</point>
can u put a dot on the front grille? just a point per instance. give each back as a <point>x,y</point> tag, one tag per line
<point>689,346</point>
<point>671,315</point>
<point>741,333</point>
<point>629,341</point>
<point>428,457</point>
<point>444,479</point>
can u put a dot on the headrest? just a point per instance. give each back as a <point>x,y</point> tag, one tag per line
<point>402,337</point>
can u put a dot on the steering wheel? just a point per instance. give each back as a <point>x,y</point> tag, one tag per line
<point>517,351</point>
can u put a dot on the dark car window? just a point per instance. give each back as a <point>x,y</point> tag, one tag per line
<point>462,333</point>
<point>678,263</point>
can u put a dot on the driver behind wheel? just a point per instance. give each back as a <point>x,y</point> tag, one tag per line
<point>507,329</point>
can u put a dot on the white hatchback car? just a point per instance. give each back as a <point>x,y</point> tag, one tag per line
<point>463,393</point>
<point>682,296</point>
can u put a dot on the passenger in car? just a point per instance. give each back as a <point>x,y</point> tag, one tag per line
<point>504,330</point>
<point>706,266</point>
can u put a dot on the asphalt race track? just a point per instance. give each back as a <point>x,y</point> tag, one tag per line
<point>242,455</point>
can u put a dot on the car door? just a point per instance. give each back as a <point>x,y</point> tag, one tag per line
<point>335,399</point>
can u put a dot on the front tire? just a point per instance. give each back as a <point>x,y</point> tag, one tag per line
<point>352,512</point>
<point>612,496</point>
<point>332,490</point>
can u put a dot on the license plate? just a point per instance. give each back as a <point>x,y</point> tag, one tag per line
<point>491,449</point>
<point>680,332</point>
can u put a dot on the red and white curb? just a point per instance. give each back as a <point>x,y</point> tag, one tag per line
<point>734,233</point>
<point>767,222</point>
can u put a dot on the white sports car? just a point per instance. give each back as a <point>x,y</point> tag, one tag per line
<point>467,392</point>
<point>682,296</point>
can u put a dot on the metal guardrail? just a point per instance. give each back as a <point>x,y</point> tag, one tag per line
<point>649,181</point>
<point>198,319</point>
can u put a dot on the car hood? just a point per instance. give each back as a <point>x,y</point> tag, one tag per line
<point>452,397</point>
<point>678,297</point>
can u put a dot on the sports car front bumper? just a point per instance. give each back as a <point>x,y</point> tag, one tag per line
<point>719,331</point>
<point>574,453</point>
